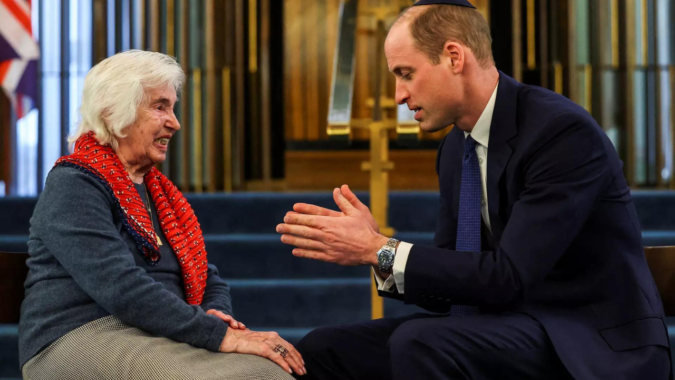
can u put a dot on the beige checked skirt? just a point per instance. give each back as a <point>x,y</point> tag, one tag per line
<point>108,349</point>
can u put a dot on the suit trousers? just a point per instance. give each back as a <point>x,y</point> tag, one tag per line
<point>425,346</point>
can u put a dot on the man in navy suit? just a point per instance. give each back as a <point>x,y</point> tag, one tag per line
<point>538,266</point>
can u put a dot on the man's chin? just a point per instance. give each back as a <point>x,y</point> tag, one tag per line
<point>430,126</point>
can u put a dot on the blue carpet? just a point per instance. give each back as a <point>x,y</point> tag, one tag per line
<point>409,211</point>
<point>274,291</point>
<point>9,354</point>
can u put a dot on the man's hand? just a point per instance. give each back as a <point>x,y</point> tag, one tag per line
<point>304,208</point>
<point>227,319</point>
<point>347,238</point>
<point>264,344</point>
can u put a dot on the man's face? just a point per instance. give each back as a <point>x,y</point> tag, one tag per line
<point>433,91</point>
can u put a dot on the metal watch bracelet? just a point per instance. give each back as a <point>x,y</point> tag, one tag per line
<point>386,255</point>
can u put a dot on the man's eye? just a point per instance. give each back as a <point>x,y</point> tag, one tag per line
<point>405,76</point>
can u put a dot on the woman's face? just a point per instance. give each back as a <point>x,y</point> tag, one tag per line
<point>147,140</point>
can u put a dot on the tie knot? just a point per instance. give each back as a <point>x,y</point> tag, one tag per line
<point>469,145</point>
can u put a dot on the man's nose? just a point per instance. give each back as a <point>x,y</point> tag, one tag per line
<point>402,94</point>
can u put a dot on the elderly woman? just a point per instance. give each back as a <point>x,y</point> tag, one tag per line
<point>119,284</point>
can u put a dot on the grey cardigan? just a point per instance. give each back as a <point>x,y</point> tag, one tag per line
<point>84,265</point>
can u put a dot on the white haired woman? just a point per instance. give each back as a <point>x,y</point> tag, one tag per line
<point>119,286</point>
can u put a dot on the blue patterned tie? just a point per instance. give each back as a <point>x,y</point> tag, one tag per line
<point>468,225</point>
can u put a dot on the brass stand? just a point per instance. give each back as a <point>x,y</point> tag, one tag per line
<point>379,164</point>
<point>340,122</point>
<point>379,167</point>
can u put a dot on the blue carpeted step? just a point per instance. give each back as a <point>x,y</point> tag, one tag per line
<point>261,212</point>
<point>9,351</point>
<point>248,256</point>
<point>315,302</point>
<point>658,238</point>
<point>656,209</point>
<point>16,213</point>
<point>408,211</point>
<point>245,256</point>
<point>14,243</point>
<point>265,256</point>
<point>298,303</point>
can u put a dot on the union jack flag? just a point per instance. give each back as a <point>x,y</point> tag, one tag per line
<point>19,54</point>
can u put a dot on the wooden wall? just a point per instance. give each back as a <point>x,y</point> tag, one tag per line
<point>310,34</point>
<point>310,31</point>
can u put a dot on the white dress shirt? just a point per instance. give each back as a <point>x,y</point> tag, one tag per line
<point>481,134</point>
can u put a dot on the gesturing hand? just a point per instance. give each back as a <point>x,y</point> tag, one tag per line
<point>304,208</point>
<point>227,318</point>
<point>347,238</point>
<point>264,344</point>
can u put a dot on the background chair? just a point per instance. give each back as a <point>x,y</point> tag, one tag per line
<point>661,262</point>
<point>13,271</point>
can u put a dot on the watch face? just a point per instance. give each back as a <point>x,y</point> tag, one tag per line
<point>384,258</point>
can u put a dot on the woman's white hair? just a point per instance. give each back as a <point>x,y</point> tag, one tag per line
<point>114,88</point>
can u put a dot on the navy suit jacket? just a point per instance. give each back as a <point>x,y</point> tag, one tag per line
<point>566,240</point>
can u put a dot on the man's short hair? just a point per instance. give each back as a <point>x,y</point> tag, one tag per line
<point>434,26</point>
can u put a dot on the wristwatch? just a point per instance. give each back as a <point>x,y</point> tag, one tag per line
<point>385,256</point>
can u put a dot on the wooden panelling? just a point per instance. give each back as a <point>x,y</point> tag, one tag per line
<point>312,55</point>
<point>329,42</point>
<point>364,78</point>
<point>325,170</point>
<point>483,7</point>
<point>294,17</point>
<point>310,36</point>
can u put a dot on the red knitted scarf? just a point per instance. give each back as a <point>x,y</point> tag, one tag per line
<point>176,217</point>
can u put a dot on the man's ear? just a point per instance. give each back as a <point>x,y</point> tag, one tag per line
<point>455,55</point>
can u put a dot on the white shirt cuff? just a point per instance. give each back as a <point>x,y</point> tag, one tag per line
<point>384,285</point>
<point>400,261</point>
<point>397,279</point>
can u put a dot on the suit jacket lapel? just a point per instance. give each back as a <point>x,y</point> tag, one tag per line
<point>502,129</point>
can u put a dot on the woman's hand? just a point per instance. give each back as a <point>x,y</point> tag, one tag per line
<point>266,344</point>
<point>227,319</point>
